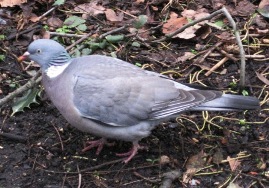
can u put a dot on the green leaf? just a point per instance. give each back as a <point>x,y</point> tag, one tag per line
<point>219,23</point>
<point>136,44</point>
<point>245,93</point>
<point>86,51</point>
<point>25,101</point>
<point>138,64</point>
<point>58,2</point>
<point>2,57</point>
<point>264,11</point>
<point>74,21</point>
<point>82,27</point>
<point>2,37</point>
<point>140,22</point>
<point>242,121</point>
<point>114,38</point>
<point>113,54</point>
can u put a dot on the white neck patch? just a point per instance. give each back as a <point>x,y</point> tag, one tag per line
<point>54,71</point>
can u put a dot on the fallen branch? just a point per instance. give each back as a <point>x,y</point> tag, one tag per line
<point>169,177</point>
<point>30,84</point>
<point>236,33</point>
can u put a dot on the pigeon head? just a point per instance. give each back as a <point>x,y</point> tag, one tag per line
<point>46,53</point>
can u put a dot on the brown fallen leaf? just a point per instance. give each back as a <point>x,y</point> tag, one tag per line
<point>111,16</point>
<point>11,3</point>
<point>262,78</point>
<point>55,22</point>
<point>174,23</point>
<point>234,163</point>
<point>218,156</point>
<point>90,8</point>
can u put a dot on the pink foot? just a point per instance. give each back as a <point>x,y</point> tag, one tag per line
<point>97,143</point>
<point>130,153</point>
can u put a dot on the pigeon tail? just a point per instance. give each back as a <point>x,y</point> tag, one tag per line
<point>229,102</point>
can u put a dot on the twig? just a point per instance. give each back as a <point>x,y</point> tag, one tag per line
<point>46,13</point>
<point>230,56</point>
<point>61,142</point>
<point>22,32</point>
<point>240,45</point>
<point>30,84</point>
<point>13,137</point>
<point>145,178</point>
<point>66,34</point>
<point>236,32</point>
<point>221,62</point>
<point>112,31</point>
<point>208,53</point>
<point>88,169</point>
<point>170,35</point>
<point>78,41</point>
<point>169,177</point>
<point>79,177</point>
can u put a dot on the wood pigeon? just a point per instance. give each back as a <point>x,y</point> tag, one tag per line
<point>114,99</point>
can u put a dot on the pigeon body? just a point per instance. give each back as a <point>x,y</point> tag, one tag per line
<point>114,99</point>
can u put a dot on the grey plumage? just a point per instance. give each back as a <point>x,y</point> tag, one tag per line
<point>114,99</point>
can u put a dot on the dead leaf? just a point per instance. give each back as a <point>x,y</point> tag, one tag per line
<point>139,1</point>
<point>217,157</point>
<point>11,3</point>
<point>164,160</point>
<point>188,33</point>
<point>233,185</point>
<point>262,78</point>
<point>206,30</point>
<point>174,23</point>
<point>111,16</point>
<point>188,175</point>
<point>196,161</point>
<point>245,8</point>
<point>90,8</point>
<point>34,18</point>
<point>234,163</point>
<point>55,22</point>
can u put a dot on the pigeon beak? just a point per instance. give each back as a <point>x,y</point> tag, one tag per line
<point>23,57</point>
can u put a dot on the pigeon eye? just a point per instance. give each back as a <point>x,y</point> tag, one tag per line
<point>38,51</point>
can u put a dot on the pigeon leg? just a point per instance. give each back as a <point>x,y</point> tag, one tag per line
<point>97,143</point>
<point>130,153</point>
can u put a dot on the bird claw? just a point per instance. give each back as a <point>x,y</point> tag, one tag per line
<point>97,143</point>
<point>130,154</point>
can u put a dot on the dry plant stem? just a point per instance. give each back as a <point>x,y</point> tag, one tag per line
<point>208,52</point>
<point>13,137</point>
<point>236,32</point>
<point>46,13</point>
<point>247,56</point>
<point>221,62</point>
<point>30,84</point>
<point>169,177</point>
<point>230,56</point>
<point>79,41</point>
<point>240,45</point>
<point>24,31</point>
<point>66,34</point>
<point>112,31</point>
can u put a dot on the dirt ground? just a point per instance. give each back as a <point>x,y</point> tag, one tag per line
<point>216,149</point>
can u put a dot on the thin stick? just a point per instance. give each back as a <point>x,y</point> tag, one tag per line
<point>30,84</point>
<point>170,35</point>
<point>221,62</point>
<point>66,34</point>
<point>240,45</point>
<point>46,13</point>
